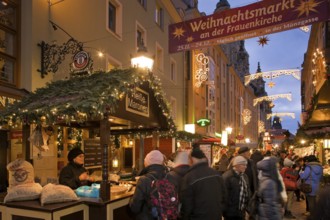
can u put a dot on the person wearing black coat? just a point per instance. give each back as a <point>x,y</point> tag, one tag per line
<point>74,174</point>
<point>237,188</point>
<point>202,190</point>
<point>154,168</point>
<point>322,206</point>
<point>180,168</point>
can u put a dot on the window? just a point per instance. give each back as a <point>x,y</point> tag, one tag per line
<point>173,70</point>
<point>114,14</point>
<point>159,16</point>
<point>159,58</point>
<point>112,17</point>
<point>8,42</point>
<point>141,35</point>
<point>143,3</point>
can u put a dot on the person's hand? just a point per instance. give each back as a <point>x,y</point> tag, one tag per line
<point>91,179</point>
<point>83,176</point>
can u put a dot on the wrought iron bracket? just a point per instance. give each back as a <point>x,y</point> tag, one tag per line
<point>52,55</point>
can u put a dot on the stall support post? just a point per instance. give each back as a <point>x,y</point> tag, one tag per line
<point>105,142</point>
<point>25,143</point>
<point>141,153</point>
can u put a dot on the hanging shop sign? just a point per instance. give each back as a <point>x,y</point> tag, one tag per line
<point>138,102</point>
<point>81,62</point>
<point>203,122</point>
<point>258,19</point>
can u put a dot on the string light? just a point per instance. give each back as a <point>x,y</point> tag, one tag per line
<point>282,114</point>
<point>288,96</point>
<point>272,74</point>
<point>202,70</point>
<point>246,116</point>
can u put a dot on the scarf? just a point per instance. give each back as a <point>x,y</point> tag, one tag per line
<point>243,193</point>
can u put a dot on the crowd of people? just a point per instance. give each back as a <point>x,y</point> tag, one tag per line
<point>241,186</point>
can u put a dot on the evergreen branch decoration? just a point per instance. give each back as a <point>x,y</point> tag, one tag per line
<point>83,98</point>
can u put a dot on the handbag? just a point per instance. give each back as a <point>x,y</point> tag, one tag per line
<point>253,204</point>
<point>305,187</point>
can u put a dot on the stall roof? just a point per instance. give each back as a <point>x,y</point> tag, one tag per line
<point>320,115</point>
<point>82,102</point>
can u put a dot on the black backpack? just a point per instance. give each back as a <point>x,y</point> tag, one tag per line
<point>163,199</point>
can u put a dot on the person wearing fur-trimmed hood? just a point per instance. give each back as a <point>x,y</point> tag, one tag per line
<point>312,175</point>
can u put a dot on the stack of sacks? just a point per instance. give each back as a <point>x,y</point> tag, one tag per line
<point>22,186</point>
<point>21,182</point>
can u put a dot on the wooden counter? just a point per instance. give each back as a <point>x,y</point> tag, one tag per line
<point>84,209</point>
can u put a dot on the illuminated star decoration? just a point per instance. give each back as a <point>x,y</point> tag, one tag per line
<point>263,40</point>
<point>179,32</point>
<point>306,7</point>
<point>190,39</point>
<point>271,84</point>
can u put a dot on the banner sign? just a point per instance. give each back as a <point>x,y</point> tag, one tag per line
<point>260,18</point>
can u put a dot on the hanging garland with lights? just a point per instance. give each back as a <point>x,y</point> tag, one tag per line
<point>272,74</point>
<point>261,126</point>
<point>246,116</point>
<point>83,98</point>
<point>281,114</point>
<point>288,96</point>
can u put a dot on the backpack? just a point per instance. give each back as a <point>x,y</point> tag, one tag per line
<point>163,199</point>
<point>290,177</point>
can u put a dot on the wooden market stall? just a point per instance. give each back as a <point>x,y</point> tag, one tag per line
<point>119,102</point>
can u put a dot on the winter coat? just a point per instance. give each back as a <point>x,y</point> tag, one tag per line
<point>223,163</point>
<point>202,193</point>
<point>316,171</point>
<point>176,175</point>
<point>269,197</point>
<point>322,207</point>
<point>69,175</point>
<point>139,201</point>
<point>251,172</point>
<point>269,190</point>
<point>231,180</point>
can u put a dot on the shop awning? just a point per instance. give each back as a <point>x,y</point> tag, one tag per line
<point>134,101</point>
<point>320,115</point>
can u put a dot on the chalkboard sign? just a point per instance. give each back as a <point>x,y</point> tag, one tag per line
<point>93,153</point>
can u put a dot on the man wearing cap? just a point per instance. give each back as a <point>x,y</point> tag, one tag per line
<point>251,169</point>
<point>74,174</point>
<point>202,190</point>
<point>237,187</point>
<point>153,169</point>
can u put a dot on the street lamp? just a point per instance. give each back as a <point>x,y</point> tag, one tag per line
<point>142,59</point>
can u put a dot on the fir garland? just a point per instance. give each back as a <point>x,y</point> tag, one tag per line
<point>83,98</point>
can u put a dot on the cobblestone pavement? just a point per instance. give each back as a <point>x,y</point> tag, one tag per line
<point>298,208</point>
